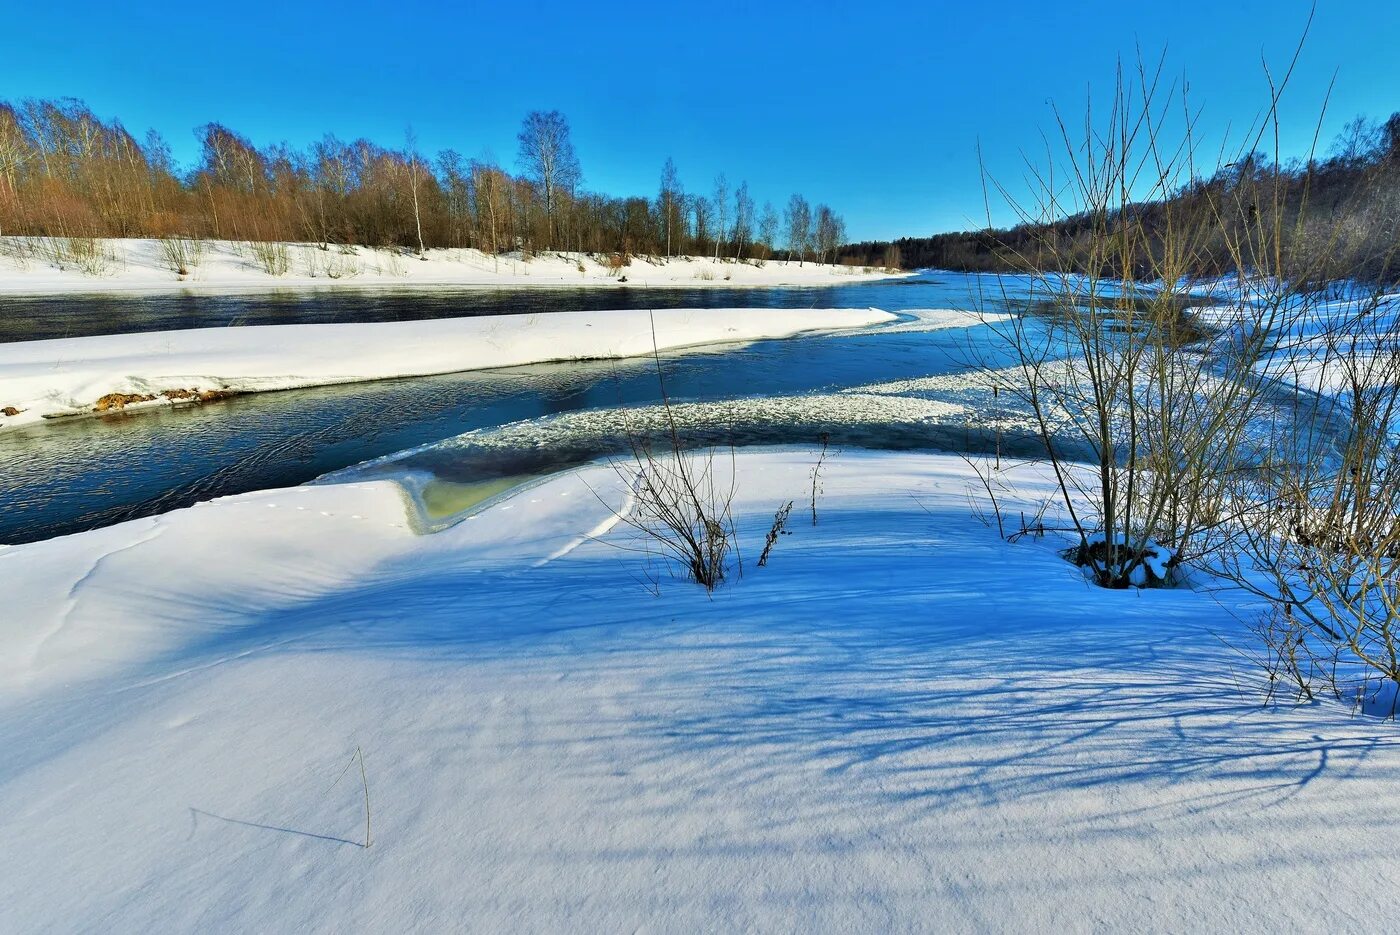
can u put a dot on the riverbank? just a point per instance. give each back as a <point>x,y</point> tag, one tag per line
<point>48,266</point>
<point>78,376</point>
<point>901,721</point>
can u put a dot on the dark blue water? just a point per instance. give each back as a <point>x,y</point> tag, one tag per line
<point>33,318</point>
<point>71,475</point>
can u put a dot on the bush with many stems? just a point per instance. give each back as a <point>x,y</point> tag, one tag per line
<point>1204,451</point>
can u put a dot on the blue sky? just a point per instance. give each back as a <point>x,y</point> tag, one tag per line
<point>876,109</point>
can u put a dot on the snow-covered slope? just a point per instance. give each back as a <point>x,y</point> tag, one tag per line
<point>38,265</point>
<point>73,375</point>
<point>901,723</point>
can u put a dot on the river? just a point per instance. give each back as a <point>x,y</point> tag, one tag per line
<point>71,475</point>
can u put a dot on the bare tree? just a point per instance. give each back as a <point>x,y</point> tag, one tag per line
<point>493,201</point>
<point>66,174</point>
<point>830,230</point>
<point>1357,140</point>
<point>411,148</point>
<point>548,158</point>
<point>13,148</point>
<point>891,258</point>
<point>743,219</point>
<point>798,221</point>
<point>669,203</point>
<point>768,229</point>
<point>721,206</point>
<point>456,181</point>
<point>703,212</point>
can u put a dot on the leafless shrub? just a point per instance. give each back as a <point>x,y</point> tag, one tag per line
<point>1164,407</point>
<point>311,259</point>
<point>988,477</point>
<point>1034,525</point>
<point>272,257</point>
<point>88,255</point>
<point>342,265</point>
<point>825,439</point>
<point>1286,656</point>
<point>18,249</point>
<point>393,264</point>
<point>778,529</point>
<point>680,503</point>
<point>1321,542</point>
<point>683,507</point>
<point>319,261</point>
<point>181,254</point>
<point>1305,517</point>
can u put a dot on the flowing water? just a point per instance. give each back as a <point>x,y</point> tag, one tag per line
<point>892,386</point>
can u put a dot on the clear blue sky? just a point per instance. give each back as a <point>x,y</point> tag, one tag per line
<point>875,108</point>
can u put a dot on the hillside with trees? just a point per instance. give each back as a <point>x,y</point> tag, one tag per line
<point>1321,217</point>
<point>65,172</point>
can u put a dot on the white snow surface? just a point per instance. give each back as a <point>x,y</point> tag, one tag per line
<point>1311,334</point>
<point>902,723</point>
<point>32,266</point>
<point>67,376</point>
<point>940,319</point>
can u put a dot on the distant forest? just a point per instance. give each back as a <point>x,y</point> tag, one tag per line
<point>67,173</point>
<point>1335,217</point>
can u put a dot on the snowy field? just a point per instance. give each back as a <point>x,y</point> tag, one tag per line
<point>32,266</point>
<point>902,723</point>
<point>72,376</point>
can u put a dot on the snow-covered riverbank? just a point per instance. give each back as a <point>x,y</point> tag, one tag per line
<point>901,723</point>
<point>1317,343</point>
<point>35,266</point>
<point>71,376</point>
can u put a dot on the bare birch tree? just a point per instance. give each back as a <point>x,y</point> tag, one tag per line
<point>798,221</point>
<point>548,158</point>
<point>669,203</point>
<point>743,219</point>
<point>721,209</point>
<point>411,150</point>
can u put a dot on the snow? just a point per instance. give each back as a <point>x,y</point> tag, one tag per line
<point>1310,333</point>
<point>901,723</point>
<point>69,376</point>
<point>939,319</point>
<point>31,266</point>
<point>1154,568</point>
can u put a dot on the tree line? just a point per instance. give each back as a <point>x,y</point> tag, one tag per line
<point>65,172</point>
<point>1318,217</point>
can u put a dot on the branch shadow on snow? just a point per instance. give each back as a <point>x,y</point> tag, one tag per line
<point>924,665</point>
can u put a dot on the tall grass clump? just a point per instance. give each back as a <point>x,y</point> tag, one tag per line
<point>181,255</point>
<point>272,257</point>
